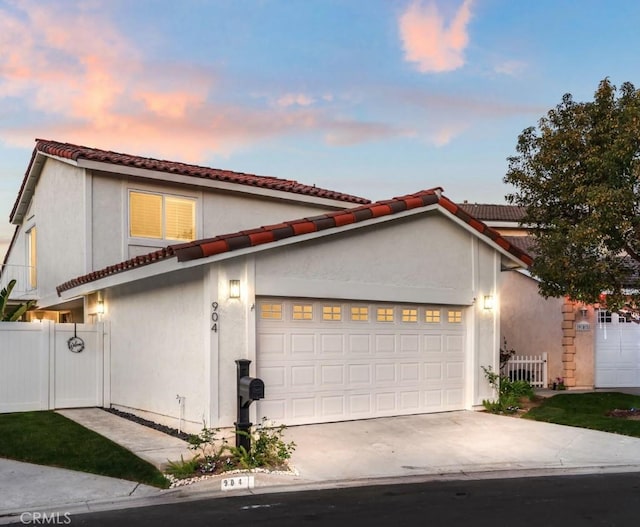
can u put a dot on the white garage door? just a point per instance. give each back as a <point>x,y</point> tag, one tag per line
<point>325,361</point>
<point>617,351</point>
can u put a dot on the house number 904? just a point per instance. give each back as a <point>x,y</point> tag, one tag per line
<point>214,317</point>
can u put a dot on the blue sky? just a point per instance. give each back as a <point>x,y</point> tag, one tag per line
<point>377,98</point>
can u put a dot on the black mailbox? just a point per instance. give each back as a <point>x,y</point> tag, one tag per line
<point>250,389</point>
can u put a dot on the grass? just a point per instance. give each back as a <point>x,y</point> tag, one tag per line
<point>588,410</point>
<point>48,438</point>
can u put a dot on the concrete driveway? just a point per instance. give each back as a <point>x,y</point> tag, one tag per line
<point>448,445</point>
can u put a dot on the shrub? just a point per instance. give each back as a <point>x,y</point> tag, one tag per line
<point>509,392</point>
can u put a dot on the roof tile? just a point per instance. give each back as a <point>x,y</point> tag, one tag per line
<point>271,233</point>
<point>75,152</point>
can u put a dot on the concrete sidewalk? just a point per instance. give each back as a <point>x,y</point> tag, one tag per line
<point>454,445</point>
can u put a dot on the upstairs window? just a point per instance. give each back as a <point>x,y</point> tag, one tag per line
<point>160,216</point>
<point>32,258</point>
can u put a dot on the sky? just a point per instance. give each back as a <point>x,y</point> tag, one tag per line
<point>377,98</point>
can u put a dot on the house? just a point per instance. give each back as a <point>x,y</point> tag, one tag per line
<point>354,310</point>
<point>80,209</point>
<point>587,346</point>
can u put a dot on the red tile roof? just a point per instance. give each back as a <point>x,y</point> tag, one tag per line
<point>75,152</point>
<point>272,233</point>
<point>489,212</point>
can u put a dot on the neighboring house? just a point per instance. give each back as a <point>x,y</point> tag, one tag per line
<point>587,346</point>
<point>80,209</point>
<point>355,310</point>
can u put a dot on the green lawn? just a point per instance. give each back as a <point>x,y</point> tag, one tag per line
<point>48,438</point>
<point>588,410</point>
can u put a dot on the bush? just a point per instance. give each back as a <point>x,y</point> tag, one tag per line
<point>509,392</point>
<point>214,455</point>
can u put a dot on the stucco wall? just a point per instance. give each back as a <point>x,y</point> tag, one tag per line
<point>59,215</point>
<point>530,323</point>
<point>158,349</point>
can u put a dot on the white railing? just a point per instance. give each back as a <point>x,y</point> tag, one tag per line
<point>530,368</point>
<point>22,274</point>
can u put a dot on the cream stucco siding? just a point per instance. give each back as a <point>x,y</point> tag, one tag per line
<point>412,260</point>
<point>530,323</point>
<point>157,347</point>
<point>59,215</point>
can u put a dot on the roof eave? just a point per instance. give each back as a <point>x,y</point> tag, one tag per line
<point>164,177</point>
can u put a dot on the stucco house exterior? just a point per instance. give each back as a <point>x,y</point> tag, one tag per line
<point>353,310</point>
<point>587,346</point>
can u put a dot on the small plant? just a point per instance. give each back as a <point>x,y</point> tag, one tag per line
<point>505,353</point>
<point>558,384</point>
<point>17,312</point>
<point>210,449</point>
<point>509,392</point>
<point>214,455</point>
<point>268,449</point>
<point>183,469</point>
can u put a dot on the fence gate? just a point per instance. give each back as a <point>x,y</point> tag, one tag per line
<point>530,368</point>
<point>44,366</point>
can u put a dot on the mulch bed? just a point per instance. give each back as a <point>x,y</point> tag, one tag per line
<point>631,413</point>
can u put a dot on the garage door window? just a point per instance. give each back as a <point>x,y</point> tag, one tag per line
<point>454,317</point>
<point>271,311</point>
<point>302,312</point>
<point>432,316</point>
<point>331,313</point>
<point>360,313</point>
<point>409,315</point>
<point>384,314</point>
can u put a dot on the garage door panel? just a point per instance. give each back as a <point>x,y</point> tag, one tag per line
<point>271,344</point>
<point>303,377</point>
<point>359,374</point>
<point>384,373</point>
<point>332,375</point>
<point>359,344</point>
<point>409,343</point>
<point>302,344</point>
<point>385,344</point>
<point>617,354</point>
<point>410,400</point>
<point>343,367</point>
<point>432,343</point>
<point>331,344</point>
<point>333,406</point>
<point>409,372</point>
<point>433,371</point>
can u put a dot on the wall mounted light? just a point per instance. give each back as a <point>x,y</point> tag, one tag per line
<point>488,302</point>
<point>234,288</point>
<point>100,307</point>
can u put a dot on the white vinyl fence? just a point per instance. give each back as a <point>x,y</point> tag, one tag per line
<point>45,366</point>
<point>530,368</point>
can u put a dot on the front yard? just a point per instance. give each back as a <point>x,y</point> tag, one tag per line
<point>48,438</point>
<point>595,410</point>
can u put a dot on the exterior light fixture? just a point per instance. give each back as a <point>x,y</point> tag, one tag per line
<point>100,307</point>
<point>488,302</point>
<point>234,288</point>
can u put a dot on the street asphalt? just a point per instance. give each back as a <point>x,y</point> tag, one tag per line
<point>452,445</point>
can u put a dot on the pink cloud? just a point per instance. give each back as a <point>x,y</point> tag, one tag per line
<point>429,42</point>
<point>81,79</point>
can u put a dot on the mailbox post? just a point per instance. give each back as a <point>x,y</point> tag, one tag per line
<point>249,389</point>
